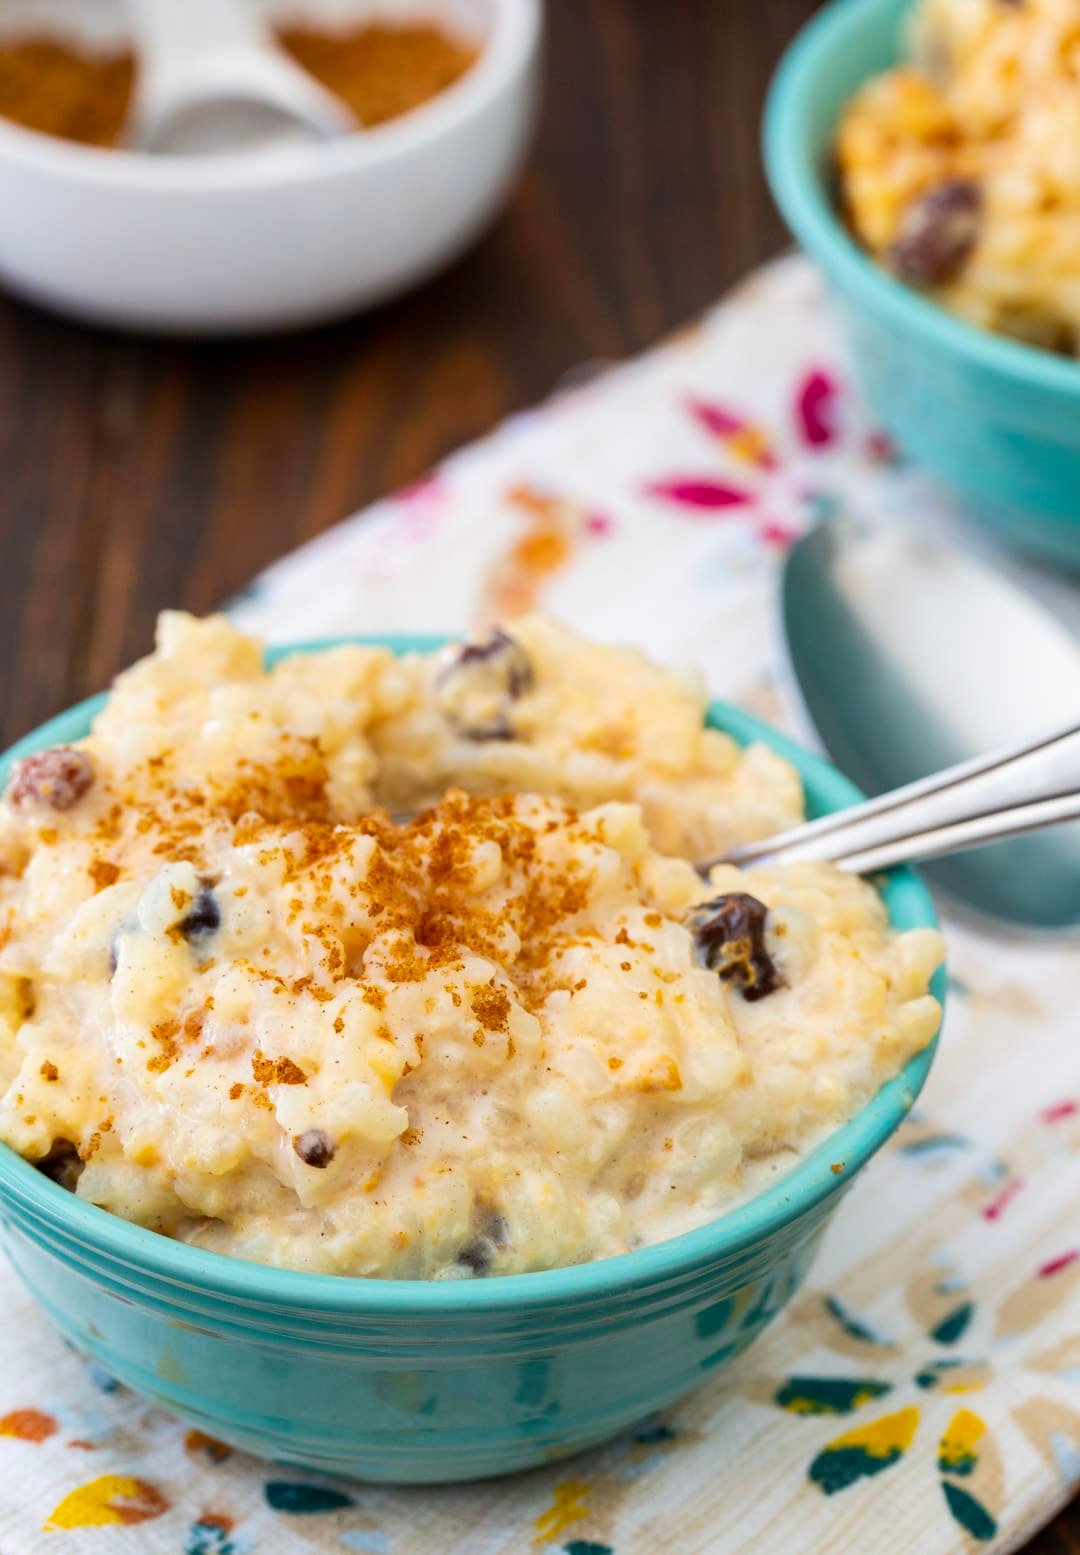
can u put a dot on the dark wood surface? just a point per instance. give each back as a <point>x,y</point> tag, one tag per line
<point>136,474</point>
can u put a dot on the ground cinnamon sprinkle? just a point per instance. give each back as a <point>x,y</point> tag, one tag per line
<point>165,1034</point>
<point>103,873</point>
<point>419,889</point>
<point>276,1071</point>
<point>491,1006</point>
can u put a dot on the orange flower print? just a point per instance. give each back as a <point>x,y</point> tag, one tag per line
<point>552,530</point>
<point>28,1425</point>
<point>199,1444</point>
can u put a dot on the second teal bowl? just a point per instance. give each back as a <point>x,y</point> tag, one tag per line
<point>997,420</point>
<point>416,1382</point>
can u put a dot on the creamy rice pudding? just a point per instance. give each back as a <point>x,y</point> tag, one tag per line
<point>961,170</point>
<point>242,1005</point>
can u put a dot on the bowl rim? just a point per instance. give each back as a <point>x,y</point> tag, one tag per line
<point>800,192</point>
<point>502,64</point>
<point>822,1173</point>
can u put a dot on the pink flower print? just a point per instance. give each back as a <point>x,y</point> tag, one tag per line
<point>700,492</point>
<point>997,1206</point>
<point>768,476</point>
<point>421,506</point>
<point>816,408</point>
<point>775,532</point>
<point>1056,1265</point>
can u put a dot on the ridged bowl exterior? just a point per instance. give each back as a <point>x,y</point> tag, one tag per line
<point>412,1381</point>
<point>997,420</point>
<point>401,1398</point>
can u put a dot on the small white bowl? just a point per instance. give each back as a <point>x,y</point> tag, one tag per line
<point>255,241</point>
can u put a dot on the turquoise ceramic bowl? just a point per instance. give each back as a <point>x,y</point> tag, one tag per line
<point>998,421</point>
<point>412,1381</point>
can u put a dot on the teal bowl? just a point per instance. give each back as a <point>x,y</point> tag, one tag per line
<point>996,420</point>
<point>412,1381</point>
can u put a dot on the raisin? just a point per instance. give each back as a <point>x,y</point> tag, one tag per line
<point>314,1147</point>
<point>937,233</point>
<point>729,933</point>
<point>478,1253</point>
<point>57,778</point>
<point>476,689</point>
<point>204,918</point>
<point>61,1164</point>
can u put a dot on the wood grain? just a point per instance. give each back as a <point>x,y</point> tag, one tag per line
<point>136,474</point>
<point>141,473</point>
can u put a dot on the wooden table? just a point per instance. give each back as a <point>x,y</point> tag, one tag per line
<point>136,473</point>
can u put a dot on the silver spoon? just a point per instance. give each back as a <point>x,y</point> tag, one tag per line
<point>910,657</point>
<point>966,806</point>
<point>212,77</point>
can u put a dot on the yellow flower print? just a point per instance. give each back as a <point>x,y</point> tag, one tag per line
<point>111,1498</point>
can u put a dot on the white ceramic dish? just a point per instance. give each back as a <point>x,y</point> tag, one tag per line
<point>264,240</point>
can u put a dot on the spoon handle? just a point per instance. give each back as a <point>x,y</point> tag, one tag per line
<point>195,55</point>
<point>961,835</point>
<point>1034,785</point>
<point>195,27</point>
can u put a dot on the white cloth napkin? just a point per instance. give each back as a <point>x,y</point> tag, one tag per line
<point>923,1393</point>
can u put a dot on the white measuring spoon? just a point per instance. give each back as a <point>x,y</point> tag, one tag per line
<point>212,78</point>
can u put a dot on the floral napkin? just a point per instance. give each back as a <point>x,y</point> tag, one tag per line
<point>923,1392</point>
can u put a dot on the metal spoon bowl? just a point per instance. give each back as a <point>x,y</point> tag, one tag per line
<point>911,657</point>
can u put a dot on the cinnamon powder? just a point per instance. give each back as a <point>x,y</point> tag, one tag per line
<point>46,86</point>
<point>380,71</point>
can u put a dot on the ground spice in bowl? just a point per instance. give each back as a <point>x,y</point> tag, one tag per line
<point>49,87</point>
<point>380,71</point>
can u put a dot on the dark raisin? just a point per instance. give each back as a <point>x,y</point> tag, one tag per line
<point>314,1147</point>
<point>204,918</point>
<point>492,1232</point>
<point>57,778</point>
<point>478,686</point>
<point>729,933</point>
<point>62,1164</point>
<point>477,1255</point>
<point>937,233</point>
<point>500,649</point>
